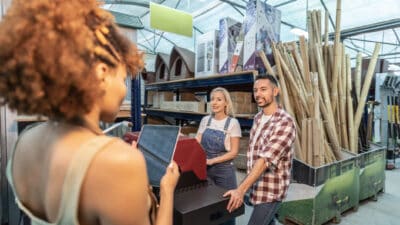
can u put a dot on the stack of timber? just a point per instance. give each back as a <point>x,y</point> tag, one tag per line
<point>316,89</point>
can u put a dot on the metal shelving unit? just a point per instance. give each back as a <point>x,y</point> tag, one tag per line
<point>232,81</point>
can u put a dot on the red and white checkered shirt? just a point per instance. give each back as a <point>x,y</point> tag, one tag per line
<point>275,145</point>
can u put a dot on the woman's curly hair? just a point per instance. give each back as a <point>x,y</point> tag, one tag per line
<point>48,49</point>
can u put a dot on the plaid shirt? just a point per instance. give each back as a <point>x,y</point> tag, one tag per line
<point>275,145</point>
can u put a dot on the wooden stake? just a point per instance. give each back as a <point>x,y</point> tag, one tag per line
<point>357,81</point>
<point>326,35</point>
<point>365,87</point>
<point>337,55</point>
<point>267,65</point>
<point>350,112</point>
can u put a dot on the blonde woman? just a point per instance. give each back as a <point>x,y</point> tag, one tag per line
<point>219,135</point>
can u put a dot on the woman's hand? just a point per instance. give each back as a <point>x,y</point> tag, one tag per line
<point>210,162</point>
<point>170,178</point>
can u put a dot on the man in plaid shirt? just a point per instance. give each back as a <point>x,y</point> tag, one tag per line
<point>269,156</point>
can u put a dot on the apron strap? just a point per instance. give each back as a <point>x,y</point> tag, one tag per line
<point>209,121</point>
<point>227,122</point>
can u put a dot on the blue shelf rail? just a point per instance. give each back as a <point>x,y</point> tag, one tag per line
<point>238,78</point>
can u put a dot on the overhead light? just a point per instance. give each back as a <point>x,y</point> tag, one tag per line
<point>299,32</point>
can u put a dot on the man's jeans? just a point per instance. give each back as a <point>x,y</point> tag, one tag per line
<point>264,214</point>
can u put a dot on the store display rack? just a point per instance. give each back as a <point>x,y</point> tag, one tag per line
<point>242,81</point>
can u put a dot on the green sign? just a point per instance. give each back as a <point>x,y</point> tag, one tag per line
<point>170,20</point>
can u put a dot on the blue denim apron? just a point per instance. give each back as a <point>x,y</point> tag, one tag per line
<point>212,141</point>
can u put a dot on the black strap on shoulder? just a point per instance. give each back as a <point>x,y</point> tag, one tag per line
<point>209,121</point>
<point>227,122</point>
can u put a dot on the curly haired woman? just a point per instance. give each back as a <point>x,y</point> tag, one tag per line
<point>67,61</point>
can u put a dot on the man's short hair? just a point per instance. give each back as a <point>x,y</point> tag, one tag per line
<point>269,77</point>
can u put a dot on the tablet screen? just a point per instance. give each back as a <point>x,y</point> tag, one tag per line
<point>158,143</point>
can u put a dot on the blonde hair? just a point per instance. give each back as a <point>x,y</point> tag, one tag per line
<point>229,108</point>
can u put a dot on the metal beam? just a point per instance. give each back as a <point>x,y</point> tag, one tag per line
<point>370,41</point>
<point>152,31</point>
<point>385,25</point>
<point>359,47</point>
<point>355,49</point>
<point>330,17</point>
<point>397,36</point>
<point>147,48</point>
<point>120,2</point>
<point>198,30</point>
<point>284,3</point>
<point>237,10</point>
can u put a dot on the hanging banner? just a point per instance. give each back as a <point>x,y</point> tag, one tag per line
<point>170,20</point>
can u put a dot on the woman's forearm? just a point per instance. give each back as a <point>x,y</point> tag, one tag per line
<point>165,210</point>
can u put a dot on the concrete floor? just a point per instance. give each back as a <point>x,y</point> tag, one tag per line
<point>384,211</point>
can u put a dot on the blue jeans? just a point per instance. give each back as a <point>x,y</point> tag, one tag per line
<point>264,214</point>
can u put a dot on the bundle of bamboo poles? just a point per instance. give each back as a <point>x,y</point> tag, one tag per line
<point>316,89</point>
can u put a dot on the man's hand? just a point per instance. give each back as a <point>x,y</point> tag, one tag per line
<point>236,199</point>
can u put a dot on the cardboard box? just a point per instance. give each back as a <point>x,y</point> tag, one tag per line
<point>240,108</point>
<point>160,97</point>
<point>241,97</point>
<point>207,54</point>
<point>229,30</point>
<point>186,96</point>
<point>261,28</point>
<point>185,106</point>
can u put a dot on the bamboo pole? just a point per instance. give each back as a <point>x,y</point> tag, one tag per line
<point>304,139</point>
<point>343,90</point>
<point>365,89</point>
<point>282,83</point>
<point>326,35</point>
<point>317,33</point>
<point>350,112</point>
<point>293,84</point>
<point>323,82</point>
<point>336,54</point>
<point>316,140</point>
<point>309,142</point>
<point>305,59</point>
<point>266,63</point>
<point>311,42</point>
<point>330,128</point>
<point>286,102</point>
<point>357,81</point>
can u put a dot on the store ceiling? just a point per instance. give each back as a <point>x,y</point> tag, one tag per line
<point>362,22</point>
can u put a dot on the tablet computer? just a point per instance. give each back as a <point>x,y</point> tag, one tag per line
<point>158,143</point>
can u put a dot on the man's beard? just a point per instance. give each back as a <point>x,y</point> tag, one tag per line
<point>266,103</point>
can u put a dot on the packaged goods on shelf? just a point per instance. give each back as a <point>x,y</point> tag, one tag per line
<point>261,27</point>
<point>229,30</point>
<point>185,106</point>
<point>241,97</point>
<point>160,97</point>
<point>207,54</point>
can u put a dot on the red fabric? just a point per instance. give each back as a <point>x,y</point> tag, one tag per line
<point>189,155</point>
